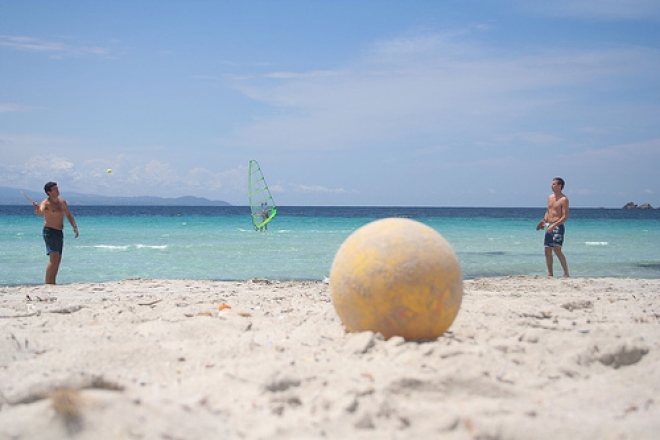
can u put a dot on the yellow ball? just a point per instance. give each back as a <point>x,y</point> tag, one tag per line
<point>397,277</point>
<point>109,170</point>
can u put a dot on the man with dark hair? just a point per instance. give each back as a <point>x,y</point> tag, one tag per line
<point>553,223</point>
<point>54,209</point>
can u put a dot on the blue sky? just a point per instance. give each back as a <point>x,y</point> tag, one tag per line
<point>394,103</point>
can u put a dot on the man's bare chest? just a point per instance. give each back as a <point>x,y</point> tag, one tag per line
<point>54,208</point>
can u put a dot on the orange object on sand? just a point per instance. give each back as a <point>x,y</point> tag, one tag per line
<point>224,306</point>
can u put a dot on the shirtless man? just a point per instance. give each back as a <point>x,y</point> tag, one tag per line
<point>54,209</point>
<point>553,223</point>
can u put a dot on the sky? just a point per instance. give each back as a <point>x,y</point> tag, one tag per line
<point>342,103</point>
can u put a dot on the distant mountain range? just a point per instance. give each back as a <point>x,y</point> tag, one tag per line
<point>13,196</point>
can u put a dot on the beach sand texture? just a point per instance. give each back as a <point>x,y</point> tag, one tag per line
<point>526,358</point>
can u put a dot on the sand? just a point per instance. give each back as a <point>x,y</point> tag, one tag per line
<point>526,358</point>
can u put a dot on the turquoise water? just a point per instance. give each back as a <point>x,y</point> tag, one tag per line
<point>218,243</point>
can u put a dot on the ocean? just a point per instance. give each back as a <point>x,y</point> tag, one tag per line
<point>219,243</point>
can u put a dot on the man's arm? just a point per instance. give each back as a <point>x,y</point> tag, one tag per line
<point>39,208</point>
<point>564,211</point>
<point>541,224</point>
<point>69,217</point>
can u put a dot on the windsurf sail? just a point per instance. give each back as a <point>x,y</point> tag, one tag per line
<point>262,205</point>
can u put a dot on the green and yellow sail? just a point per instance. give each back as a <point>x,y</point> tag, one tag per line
<point>262,205</point>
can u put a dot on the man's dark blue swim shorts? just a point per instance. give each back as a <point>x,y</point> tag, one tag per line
<point>54,239</point>
<point>555,237</point>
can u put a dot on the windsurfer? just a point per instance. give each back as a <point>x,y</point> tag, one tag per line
<point>265,213</point>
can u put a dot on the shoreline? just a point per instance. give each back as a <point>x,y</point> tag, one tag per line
<point>527,357</point>
<point>311,280</point>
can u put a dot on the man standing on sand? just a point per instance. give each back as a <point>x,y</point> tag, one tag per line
<point>553,222</point>
<point>54,209</point>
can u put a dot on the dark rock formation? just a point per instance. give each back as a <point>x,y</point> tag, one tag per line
<point>631,205</point>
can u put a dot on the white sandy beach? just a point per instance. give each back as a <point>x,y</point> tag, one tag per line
<point>526,358</point>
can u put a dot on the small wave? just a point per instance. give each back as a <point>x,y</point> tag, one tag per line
<point>596,243</point>
<point>653,265</point>
<point>112,248</point>
<point>127,247</point>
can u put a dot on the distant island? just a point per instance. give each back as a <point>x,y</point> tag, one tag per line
<point>631,205</point>
<point>13,196</point>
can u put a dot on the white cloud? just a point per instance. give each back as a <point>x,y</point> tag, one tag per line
<point>33,44</point>
<point>56,48</point>
<point>306,75</point>
<point>645,151</point>
<point>204,77</point>
<point>207,181</point>
<point>40,169</point>
<point>582,192</point>
<point>319,189</point>
<point>535,138</point>
<point>9,107</point>
<point>435,85</point>
<point>431,150</point>
<point>276,188</point>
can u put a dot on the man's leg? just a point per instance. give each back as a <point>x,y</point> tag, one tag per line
<point>562,260</point>
<point>548,260</point>
<point>52,267</point>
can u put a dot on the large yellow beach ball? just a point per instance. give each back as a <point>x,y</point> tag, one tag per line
<point>397,277</point>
